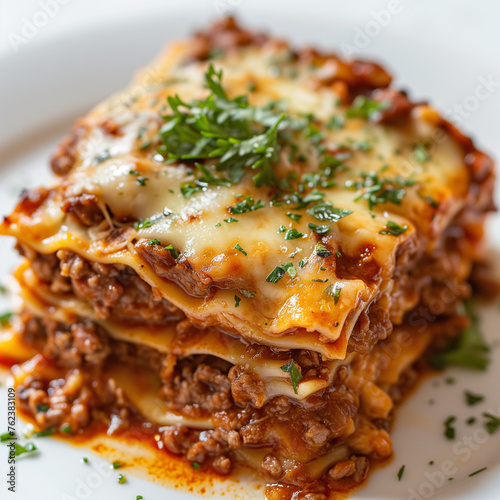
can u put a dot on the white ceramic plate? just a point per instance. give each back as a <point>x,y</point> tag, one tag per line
<point>83,51</point>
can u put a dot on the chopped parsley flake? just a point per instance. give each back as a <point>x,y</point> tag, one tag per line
<point>133,172</point>
<point>246,205</point>
<point>401,472</point>
<point>142,224</point>
<point>85,460</point>
<point>276,274</point>
<point>247,293</point>
<point>46,432</point>
<point>7,436</point>
<point>67,429</point>
<point>154,241</point>
<point>121,479</point>
<point>319,229</point>
<point>6,318</point>
<point>237,301</point>
<point>238,247</point>
<point>326,211</point>
<point>302,263</point>
<point>478,471</point>
<point>322,251</point>
<point>231,219</point>
<point>473,399</point>
<point>195,465</point>
<point>292,272</point>
<point>116,465</point>
<point>469,350</point>
<point>141,181</point>
<point>379,190</point>
<point>295,375</point>
<point>393,229</point>
<point>21,450</point>
<point>492,424</point>
<point>173,252</point>
<point>334,291</point>
<point>42,408</point>
<point>420,153</point>
<point>293,234</point>
<point>294,217</point>
<point>281,229</point>
<point>366,109</point>
<point>449,431</point>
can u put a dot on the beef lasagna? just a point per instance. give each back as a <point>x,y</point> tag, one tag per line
<point>250,248</point>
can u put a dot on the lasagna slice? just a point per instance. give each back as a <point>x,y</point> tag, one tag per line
<point>250,248</point>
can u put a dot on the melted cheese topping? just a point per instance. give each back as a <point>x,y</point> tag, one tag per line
<point>295,312</point>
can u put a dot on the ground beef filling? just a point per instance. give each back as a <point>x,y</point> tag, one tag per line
<point>233,396</point>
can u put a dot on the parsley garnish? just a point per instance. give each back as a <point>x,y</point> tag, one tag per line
<point>42,408</point>
<point>420,153</point>
<point>473,399</point>
<point>238,247</point>
<point>294,217</point>
<point>295,375</point>
<point>173,252</point>
<point>46,432</point>
<point>449,431</point>
<point>281,229</point>
<point>247,293</point>
<point>154,241</point>
<point>7,436</point>
<point>334,291</point>
<point>379,190</point>
<point>141,181</point>
<point>319,229</point>
<point>142,224</point>
<point>365,108</point>
<point>246,205</point>
<point>302,263</point>
<point>326,211</point>
<point>237,301</point>
<point>121,479</point>
<point>293,234</point>
<point>133,172</point>
<point>116,465</point>
<point>492,424</point>
<point>322,251</point>
<point>401,472</point>
<point>27,448</point>
<point>469,350</point>
<point>5,318</point>
<point>85,460</point>
<point>477,472</point>
<point>231,219</point>
<point>238,135</point>
<point>393,229</point>
<point>67,429</point>
<point>195,465</point>
<point>279,271</point>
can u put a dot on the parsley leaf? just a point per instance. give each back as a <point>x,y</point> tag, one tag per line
<point>319,229</point>
<point>379,190</point>
<point>295,375</point>
<point>326,211</point>
<point>246,205</point>
<point>293,234</point>
<point>322,251</point>
<point>449,431</point>
<point>365,108</point>
<point>469,350</point>
<point>334,291</point>
<point>27,448</point>
<point>393,229</point>
<point>173,252</point>
<point>492,424</point>
<point>238,247</point>
<point>473,399</point>
<point>237,301</point>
